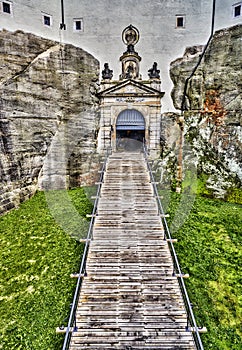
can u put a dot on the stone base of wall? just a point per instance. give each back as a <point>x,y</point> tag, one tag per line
<point>11,196</point>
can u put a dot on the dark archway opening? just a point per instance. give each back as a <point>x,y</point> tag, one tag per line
<point>130,130</point>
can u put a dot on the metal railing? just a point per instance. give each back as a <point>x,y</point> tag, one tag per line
<point>71,327</point>
<point>191,322</point>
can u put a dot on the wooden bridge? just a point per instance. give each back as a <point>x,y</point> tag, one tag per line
<point>129,297</point>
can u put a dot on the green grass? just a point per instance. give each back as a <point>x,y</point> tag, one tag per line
<point>209,249</point>
<point>37,257</point>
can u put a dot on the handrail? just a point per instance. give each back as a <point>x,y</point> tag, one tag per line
<point>72,318</point>
<point>177,269</point>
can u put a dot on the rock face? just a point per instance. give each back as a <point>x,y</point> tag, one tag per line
<point>48,115</point>
<point>212,120</point>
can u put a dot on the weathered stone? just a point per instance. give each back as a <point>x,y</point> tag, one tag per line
<point>48,113</point>
<point>213,97</point>
<point>181,69</point>
<point>49,116</point>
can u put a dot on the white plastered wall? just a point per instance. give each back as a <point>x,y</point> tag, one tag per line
<point>104,21</point>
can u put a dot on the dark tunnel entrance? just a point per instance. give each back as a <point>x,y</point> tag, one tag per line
<point>130,130</point>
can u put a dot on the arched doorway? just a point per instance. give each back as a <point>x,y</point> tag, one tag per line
<point>130,130</point>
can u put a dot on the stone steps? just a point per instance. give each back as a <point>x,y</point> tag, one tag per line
<point>129,298</point>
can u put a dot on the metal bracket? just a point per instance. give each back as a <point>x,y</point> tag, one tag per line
<point>181,275</point>
<point>77,275</point>
<point>196,329</point>
<point>172,240</point>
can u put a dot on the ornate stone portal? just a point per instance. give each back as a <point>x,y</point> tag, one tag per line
<point>130,107</point>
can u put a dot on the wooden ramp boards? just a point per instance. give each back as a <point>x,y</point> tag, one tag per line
<point>129,298</point>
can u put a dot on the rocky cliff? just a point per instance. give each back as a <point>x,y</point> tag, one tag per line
<point>48,115</point>
<point>212,119</point>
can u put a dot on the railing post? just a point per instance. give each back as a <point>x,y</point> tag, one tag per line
<point>75,329</point>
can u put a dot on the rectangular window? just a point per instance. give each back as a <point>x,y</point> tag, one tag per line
<point>7,7</point>
<point>237,10</point>
<point>47,19</point>
<point>78,25</point>
<point>180,21</point>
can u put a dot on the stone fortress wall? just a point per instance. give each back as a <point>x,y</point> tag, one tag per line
<point>166,28</point>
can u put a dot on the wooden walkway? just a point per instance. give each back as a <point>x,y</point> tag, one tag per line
<point>129,298</point>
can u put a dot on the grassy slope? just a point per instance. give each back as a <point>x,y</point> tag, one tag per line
<point>209,249</point>
<point>36,259</point>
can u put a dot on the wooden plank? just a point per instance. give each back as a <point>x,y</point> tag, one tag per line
<point>129,298</point>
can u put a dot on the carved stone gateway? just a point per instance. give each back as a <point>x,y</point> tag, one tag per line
<point>130,107</point>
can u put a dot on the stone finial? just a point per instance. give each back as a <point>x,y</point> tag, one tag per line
<point>130,35</point>
<point>130,58</point>
<point>107,73</point>
<point>153,72</point>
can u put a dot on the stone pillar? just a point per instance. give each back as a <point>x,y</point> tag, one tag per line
<point>154,130</point>
<point>105,131</point>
